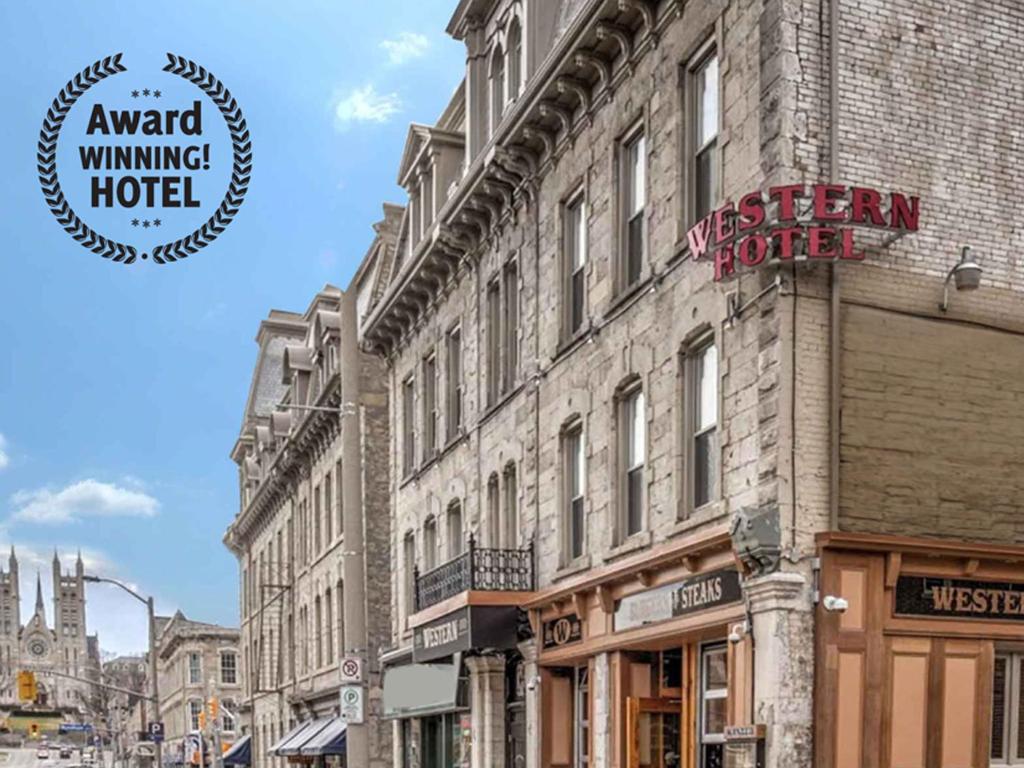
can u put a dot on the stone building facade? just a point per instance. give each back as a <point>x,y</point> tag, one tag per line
<point>289,535</point>
<point>670,379</point>
<point>197,662</point>
<point>65,648</point>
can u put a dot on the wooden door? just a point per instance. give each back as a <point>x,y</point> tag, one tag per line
<point>654,733</point>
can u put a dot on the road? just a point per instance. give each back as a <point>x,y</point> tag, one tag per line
<point>28,758</point>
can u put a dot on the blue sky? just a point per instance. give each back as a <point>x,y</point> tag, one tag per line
<point>122,387</point>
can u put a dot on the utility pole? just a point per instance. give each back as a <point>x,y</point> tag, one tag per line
<point>356,641</point>
<point>156,685</point>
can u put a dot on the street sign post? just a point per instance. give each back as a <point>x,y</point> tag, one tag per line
<point>156,732</point>
<point>351,670</point>
<point>352,704</point>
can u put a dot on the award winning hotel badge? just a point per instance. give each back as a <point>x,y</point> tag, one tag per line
<point>144,161</point>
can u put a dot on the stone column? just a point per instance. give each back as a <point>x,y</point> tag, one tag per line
<point>531,674</point>
<point>601,722</point>
<point>487,709</point>
<point>783,630</point>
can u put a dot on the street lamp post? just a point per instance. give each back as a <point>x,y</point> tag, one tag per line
<point>148,602</point>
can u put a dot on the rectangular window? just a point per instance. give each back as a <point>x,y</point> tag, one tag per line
<point>701,397</point>
<point>575,488</point>
<point>341,617</point>
<point>430,544</point>
<point>408,426</point>
<point>581,717</point>
<point>340,501</point>
<point>316,520</point>
<point>195,668</point>
<point>1007,745</point>
<point>329,626</point>
<point>454,354</point>
<point>704,77</point>
<point>493,342</point>
<point>328,510</point>
<point>195,708</point>
<point>227,720</point>
<point>511,533</point>
<point>409,564</point>
<point>714,688</point>
<point>494,511</point>
<point>634,198</point>
<point>228,667</point>
<point>454,530</point>
<point>429,407</point>
<point>574,224</point>
<point>634,453</point>
<point>510,340</point>
<point>318,617</point>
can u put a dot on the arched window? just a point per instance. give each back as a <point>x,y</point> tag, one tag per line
<point>493,512</point>
<point>455,542</point>
<point>497,87</point>
<point>429,544</point>
<point>511,521</point>
<point>515,59</point>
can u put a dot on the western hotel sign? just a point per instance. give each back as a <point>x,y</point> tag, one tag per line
<point>959,598</point>
<point>815,222</point>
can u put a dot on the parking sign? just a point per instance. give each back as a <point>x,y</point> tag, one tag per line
<point>352,704</point>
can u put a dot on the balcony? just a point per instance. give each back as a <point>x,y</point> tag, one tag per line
<point>478,569</point>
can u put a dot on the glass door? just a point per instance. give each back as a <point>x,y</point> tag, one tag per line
<point>655,728</point>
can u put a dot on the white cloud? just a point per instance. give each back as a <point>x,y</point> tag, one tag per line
<point>86,498</point>
<point>365,105</point>
<point>4,458</point>
<point>405,47</point>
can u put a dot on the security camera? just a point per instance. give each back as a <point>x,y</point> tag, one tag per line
<point>835,604</point>
<point>533,683</point>
<point>738,633</point>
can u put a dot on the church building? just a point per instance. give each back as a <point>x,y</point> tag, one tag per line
<point>57,654</point>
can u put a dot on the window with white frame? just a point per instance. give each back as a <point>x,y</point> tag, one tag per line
<point>430,413</point>
<point>497,87</point>
<point>1007,744</point>
<point>195,710</point>
<point>574,227</point>
<point>227,716</point>
<point>430,544</point>
<point>581,717</point>
<point>408,426</point>
<point>701,384</point>
<point>195,668</point>
<point>633,452</point>
<point>228,667</point>
<point>714,690</point>
<point>575,489</point>
<point>454,404</point>
<point>704,79</point>
<point>454,529</point>
<point>633,191</point>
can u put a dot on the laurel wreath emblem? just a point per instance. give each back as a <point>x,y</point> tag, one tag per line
<point>109,248</point>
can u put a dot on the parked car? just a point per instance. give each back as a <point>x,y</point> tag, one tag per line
<point>65,752</point>
<point>43,753</point>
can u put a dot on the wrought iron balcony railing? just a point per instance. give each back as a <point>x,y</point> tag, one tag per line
<point>476,569</point>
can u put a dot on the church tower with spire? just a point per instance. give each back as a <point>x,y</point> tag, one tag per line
<point>10,624</point>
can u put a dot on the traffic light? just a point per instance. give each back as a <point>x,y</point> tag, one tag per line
<point>33,730</point>
<point>27,690</point>
<point>202,719</point>
<point>213,707</point>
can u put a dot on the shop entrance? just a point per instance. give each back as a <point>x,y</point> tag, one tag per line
<point>655,732</point>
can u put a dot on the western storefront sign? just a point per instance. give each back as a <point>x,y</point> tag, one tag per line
<point>670,601</point>
<point>815,222</point>
<point>465,629</point>
<point>564,630</point>
<point>959,598</point>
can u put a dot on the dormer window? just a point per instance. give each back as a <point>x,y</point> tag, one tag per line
<point>515,59</point>
<point>497,87</point>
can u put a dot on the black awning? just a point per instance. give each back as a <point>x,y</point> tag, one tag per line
<point>416,690</point>
<point>240,752</point>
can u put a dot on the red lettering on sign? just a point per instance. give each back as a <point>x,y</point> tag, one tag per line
<point>724,229</point>
<point>752,250</point>
<point>787,236</point>
<point>751,211</point>
<point>698,236</point>
<point>903,213</point>
<point>825,197</point>
<point>786,196</point>
<point>866,204</point>
<point>818,241</point>
<point>724,265</point>
<point>846,251</point>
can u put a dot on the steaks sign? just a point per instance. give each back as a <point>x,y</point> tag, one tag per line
<point>796,221</point>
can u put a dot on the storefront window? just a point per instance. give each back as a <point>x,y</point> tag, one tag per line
<point>581,717</point>
<point>445,741</point>
<point>713,691</point>
<point>1008,710</point>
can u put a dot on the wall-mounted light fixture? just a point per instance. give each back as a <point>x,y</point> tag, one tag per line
<point>966,275</point>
